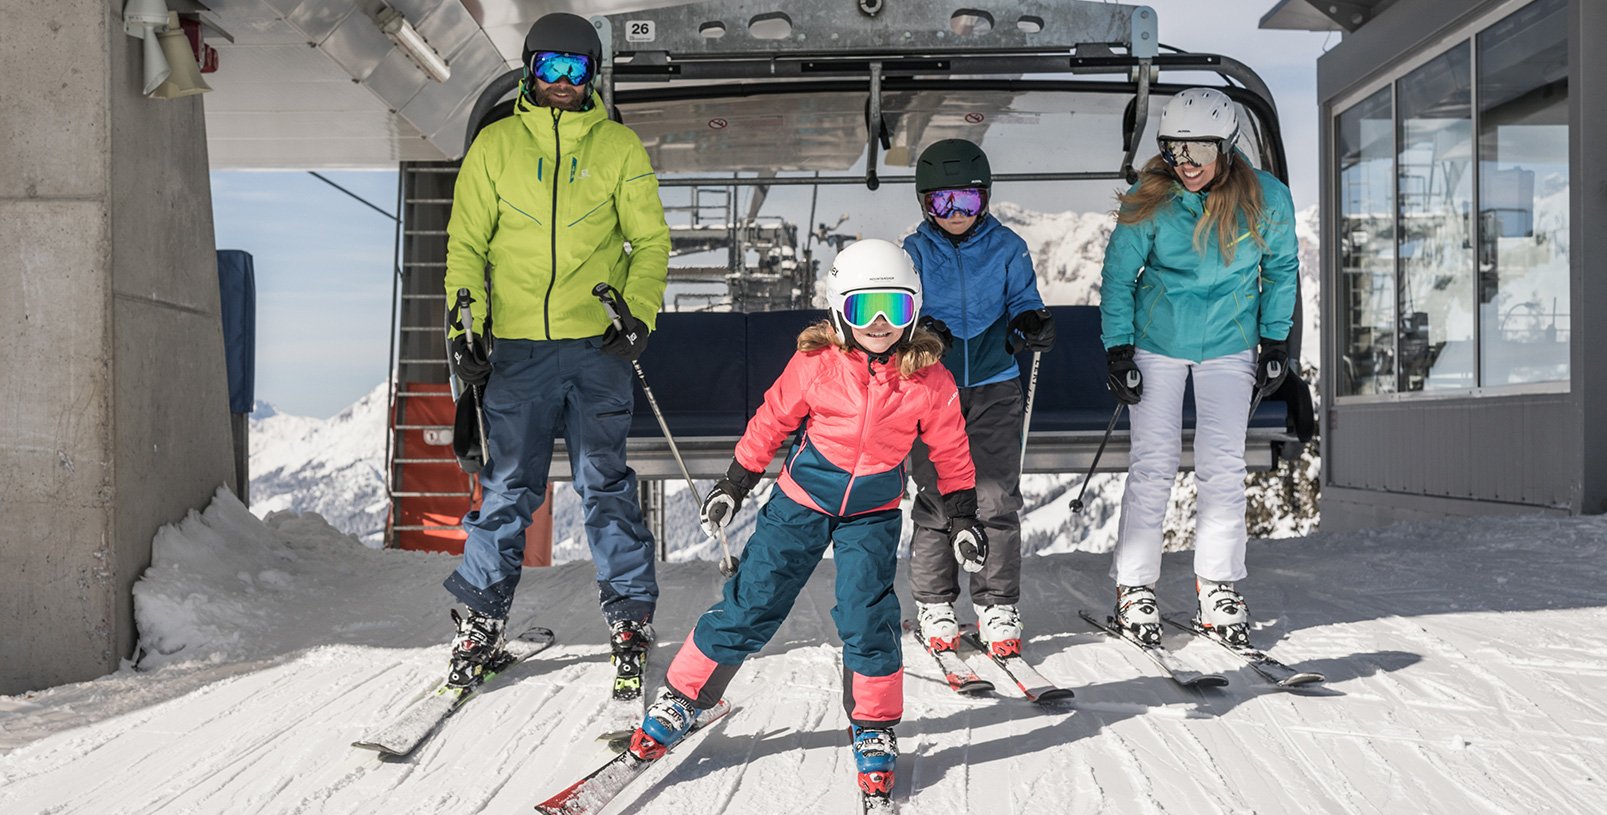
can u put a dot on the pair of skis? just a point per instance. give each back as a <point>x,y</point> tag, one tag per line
<point>418,720</point>
<point>962,679</point>
<point>1270,669</point>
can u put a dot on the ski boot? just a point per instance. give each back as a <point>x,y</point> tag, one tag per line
<point>629,640</point>
<point>999,627</point>
<point>668,719</point>
<point>937,626</point>
<point>1138,614</point>
<point>1223,612</point>
<point>875,754</point>
<point>477,649</point>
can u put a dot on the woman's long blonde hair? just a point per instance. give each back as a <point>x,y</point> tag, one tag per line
<point>1235,206</point>
<point>923,350</point>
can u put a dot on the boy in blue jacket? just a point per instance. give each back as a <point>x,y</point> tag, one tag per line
<point>982,296</point>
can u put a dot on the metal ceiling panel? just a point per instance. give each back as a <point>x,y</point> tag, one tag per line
<point>279,153</point>
<point>318,18</point>
<point>448,28</point>
<point>330,97</point>
<point>357,45</point>
<point>397,80</point>
<point>473,66</point>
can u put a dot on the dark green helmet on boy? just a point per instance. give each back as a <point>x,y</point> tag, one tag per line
<point>952,163</point>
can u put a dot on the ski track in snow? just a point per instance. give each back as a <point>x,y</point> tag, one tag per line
<point>1465,664</point>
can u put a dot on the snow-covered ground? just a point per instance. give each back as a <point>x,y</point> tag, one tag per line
<point>1465,660</point>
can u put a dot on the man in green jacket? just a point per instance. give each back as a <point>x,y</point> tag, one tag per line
<point>545,204</point>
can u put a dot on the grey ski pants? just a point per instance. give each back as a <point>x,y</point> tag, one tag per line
<point>993,425</point>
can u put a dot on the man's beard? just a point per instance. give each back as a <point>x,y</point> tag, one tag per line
<point>548,97</point>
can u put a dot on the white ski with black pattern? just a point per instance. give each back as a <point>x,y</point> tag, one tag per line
<point>1182,675</point>
<point>1279,674</point>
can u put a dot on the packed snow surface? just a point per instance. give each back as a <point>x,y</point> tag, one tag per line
<point>1465,665</point>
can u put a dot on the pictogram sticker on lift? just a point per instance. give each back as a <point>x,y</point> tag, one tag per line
<point>718,124</point>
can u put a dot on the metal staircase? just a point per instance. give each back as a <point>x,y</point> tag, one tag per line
<point>428,492</point>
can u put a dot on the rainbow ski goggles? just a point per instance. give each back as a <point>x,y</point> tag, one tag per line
<point>551,66</point>
<point>1190,151</point>
<point>962,201</point>
<point>861,308</point>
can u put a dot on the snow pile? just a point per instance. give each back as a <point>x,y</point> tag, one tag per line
<point>224,585</point>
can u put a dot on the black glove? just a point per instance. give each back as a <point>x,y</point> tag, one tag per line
<point>1272,366</point>
<point>470,364</point>
<point>632,341</point>
<point>722,502</point>
<point>1125,380</point>
<point>1037,330</point>
<point>938,328</point>
<point>966,535</point>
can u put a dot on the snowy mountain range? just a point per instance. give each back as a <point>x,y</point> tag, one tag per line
<point>335,467</point>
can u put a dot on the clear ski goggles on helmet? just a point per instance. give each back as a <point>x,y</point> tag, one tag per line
<point>861,308</point>
<point>963,201</point>
<point>551,66</point>
<point>1190,151</point>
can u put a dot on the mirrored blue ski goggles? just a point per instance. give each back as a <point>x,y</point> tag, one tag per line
<point>861,308</point>
<point>1190,151</point>
<point>551,66</point>
<point>964,201</point>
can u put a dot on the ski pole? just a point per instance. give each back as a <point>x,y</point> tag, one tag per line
<point>1076,503</point>
<point>607,295</point>
<point>1026,418</point>
<point>467,315</point>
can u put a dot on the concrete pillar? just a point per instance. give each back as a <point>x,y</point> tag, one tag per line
<point>114,414</point>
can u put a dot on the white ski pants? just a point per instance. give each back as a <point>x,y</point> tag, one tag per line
<point>1222,388</point>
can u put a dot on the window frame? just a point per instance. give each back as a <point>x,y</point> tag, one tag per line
<point>1334,340</point>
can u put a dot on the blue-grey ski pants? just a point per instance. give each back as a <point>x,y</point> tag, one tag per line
<point>539,389</point>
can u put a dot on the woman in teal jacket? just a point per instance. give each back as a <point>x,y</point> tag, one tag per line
<point>1200,270</point>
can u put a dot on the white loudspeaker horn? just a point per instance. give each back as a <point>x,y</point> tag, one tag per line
<point>157,69</point>
<point>184,77</point>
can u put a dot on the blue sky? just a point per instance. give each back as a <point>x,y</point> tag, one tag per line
<point>323,260</point>
<point>323,273</point>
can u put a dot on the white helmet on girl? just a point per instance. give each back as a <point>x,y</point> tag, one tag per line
<point>867,266</point>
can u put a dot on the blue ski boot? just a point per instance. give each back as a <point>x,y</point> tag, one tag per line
<point>667,721</point>
<point>875,753</point>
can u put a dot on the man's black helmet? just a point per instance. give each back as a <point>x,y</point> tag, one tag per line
<point>562,31</point>
<point>952,163</point>
<point>569,33</point>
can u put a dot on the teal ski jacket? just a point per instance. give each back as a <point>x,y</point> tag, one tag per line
<point>1162,295</point>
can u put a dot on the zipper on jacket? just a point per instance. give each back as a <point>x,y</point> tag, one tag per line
<point>546,302</point>
<point>965,314</point>
<point>859,453</point>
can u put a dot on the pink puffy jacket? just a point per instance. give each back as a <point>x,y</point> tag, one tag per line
<point>860,419</point>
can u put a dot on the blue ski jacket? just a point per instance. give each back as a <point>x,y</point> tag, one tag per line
<point>976,288</point>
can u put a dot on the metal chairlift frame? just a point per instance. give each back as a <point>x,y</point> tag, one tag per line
<point>875,46</point>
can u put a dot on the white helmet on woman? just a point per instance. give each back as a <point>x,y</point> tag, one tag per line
<point>873,267</point>
<point>1199,114</point>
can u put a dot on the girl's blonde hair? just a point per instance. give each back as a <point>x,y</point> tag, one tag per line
<point>1235,205</point>
<point>923,350</point>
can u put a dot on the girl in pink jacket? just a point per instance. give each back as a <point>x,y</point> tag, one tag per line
<point>863,386</point>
